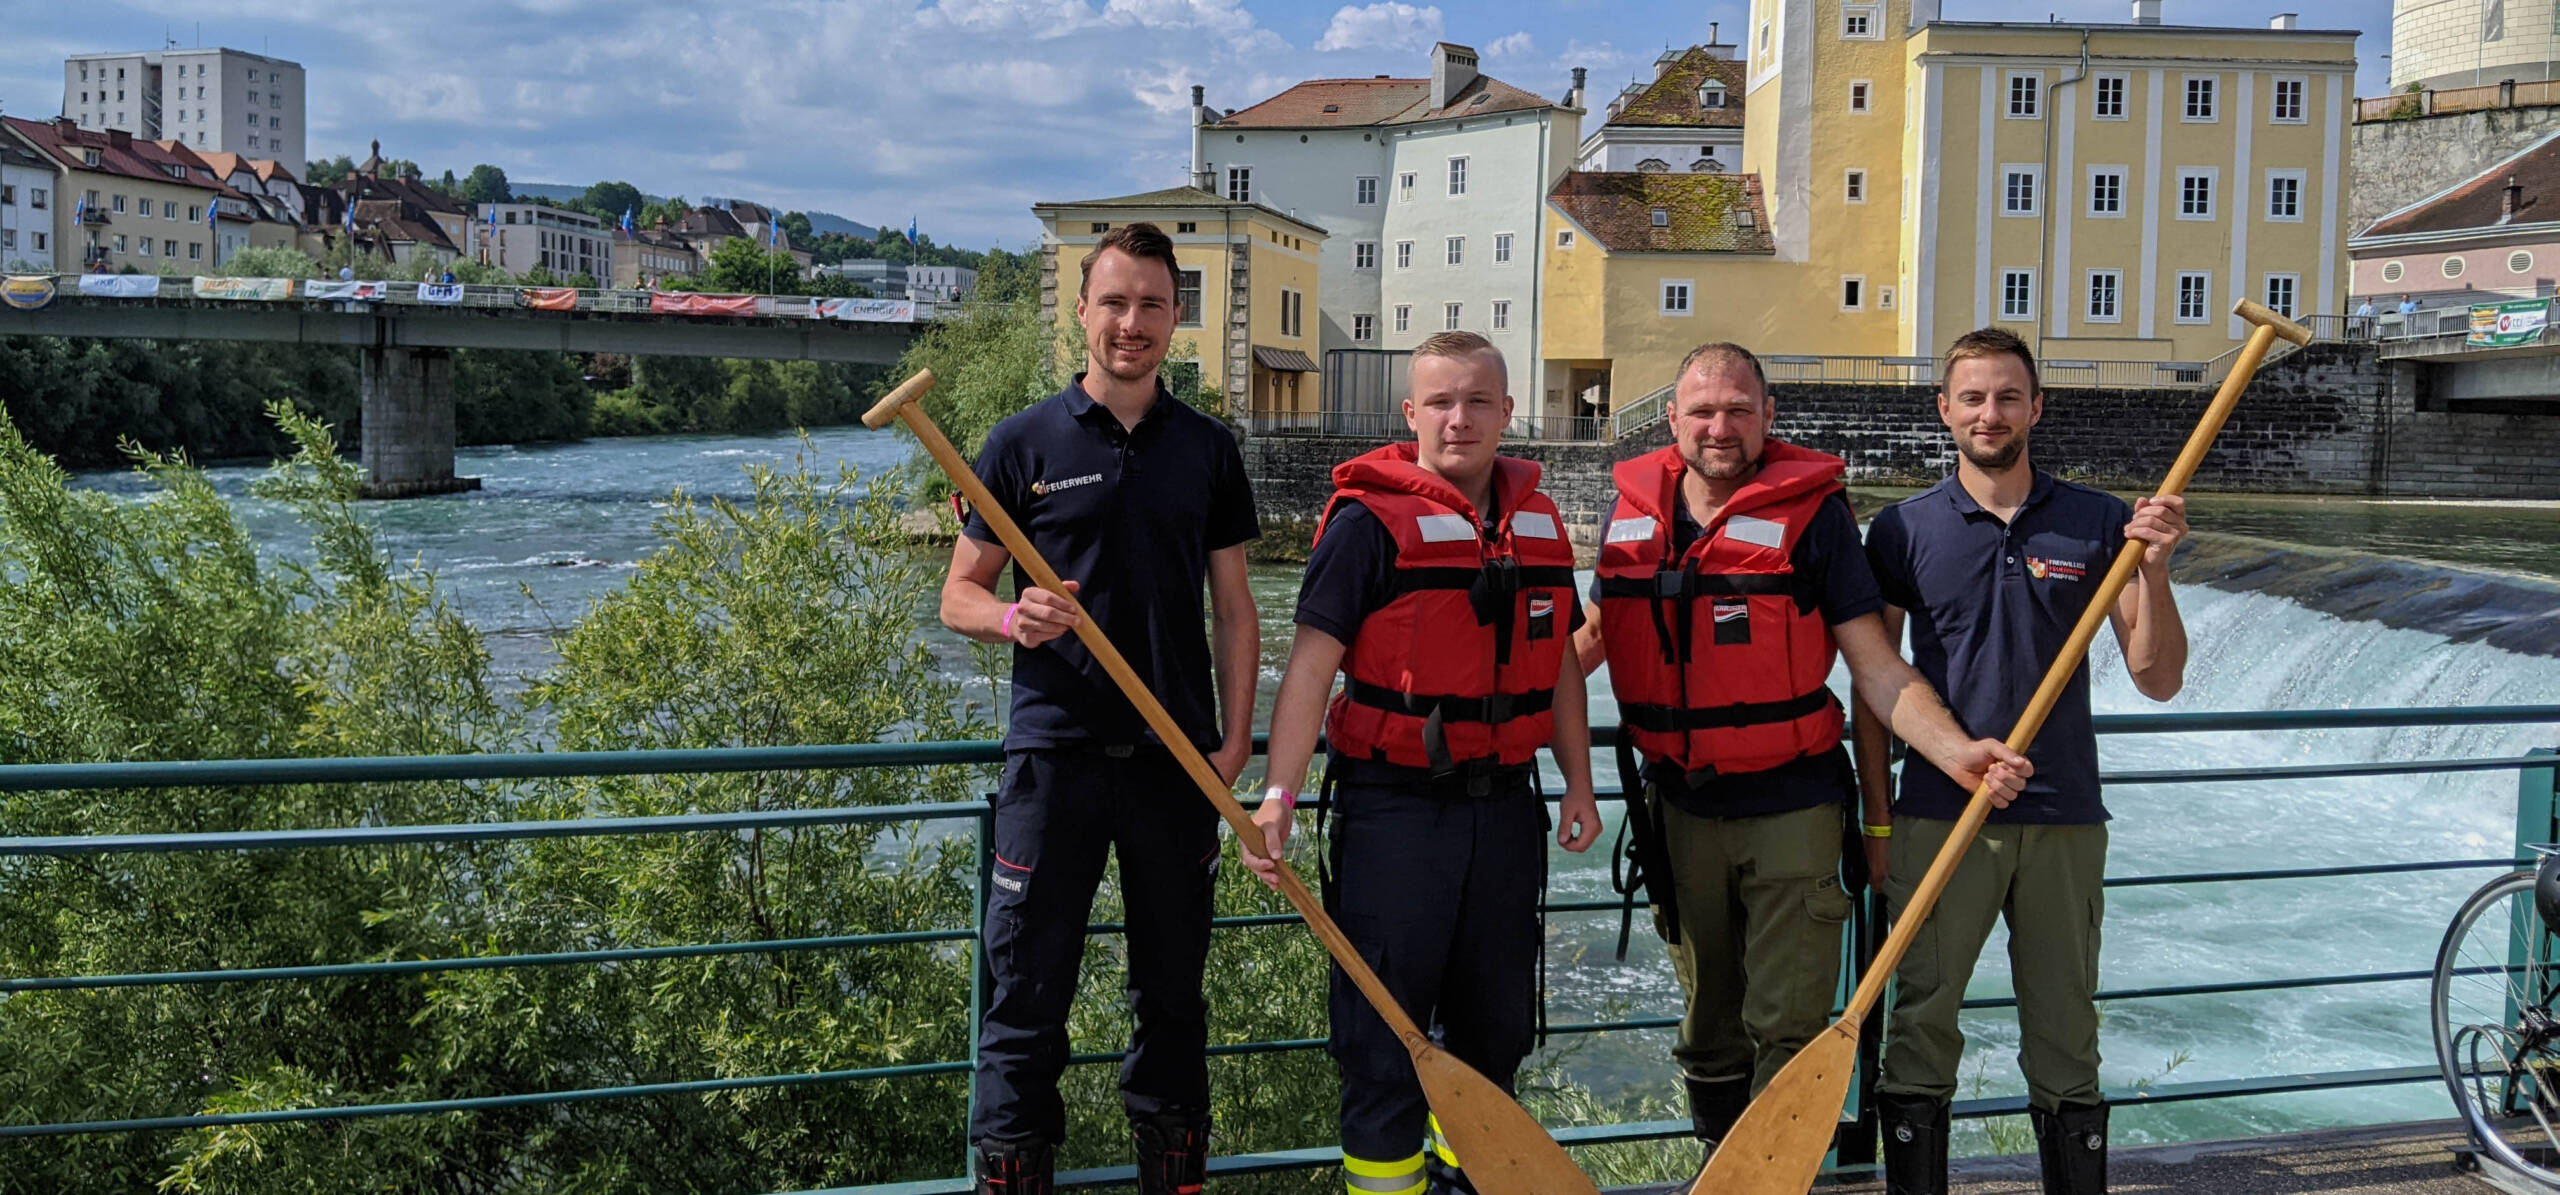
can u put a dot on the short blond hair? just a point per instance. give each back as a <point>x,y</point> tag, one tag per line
<point>1464,344</point>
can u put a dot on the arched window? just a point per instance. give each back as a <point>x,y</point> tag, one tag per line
<point>1706,166</point>
<point>1653,166</point>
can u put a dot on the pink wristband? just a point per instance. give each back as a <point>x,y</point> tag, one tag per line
<point>1288,800</point>
<point>1009,612</point>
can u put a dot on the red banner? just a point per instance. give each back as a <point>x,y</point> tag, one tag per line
<point>674,302</point>
<point>548,298</point>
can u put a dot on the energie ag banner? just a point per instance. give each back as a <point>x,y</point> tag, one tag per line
<point>26,293</point>
<point>2500,325</point>
<point>259,289</point>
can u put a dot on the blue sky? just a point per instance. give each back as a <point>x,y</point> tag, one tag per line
<point>961,113</point>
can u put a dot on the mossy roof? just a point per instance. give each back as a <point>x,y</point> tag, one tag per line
<point>1703,213</point>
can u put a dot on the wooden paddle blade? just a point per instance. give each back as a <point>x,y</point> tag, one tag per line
<point>1778,1145</point>
<point>1502,1148</point>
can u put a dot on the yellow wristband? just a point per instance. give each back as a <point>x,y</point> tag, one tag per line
<point>1883,831</point>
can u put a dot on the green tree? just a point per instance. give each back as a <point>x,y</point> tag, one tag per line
<point>610,200</point>
<point>796,226</point>
<point>328,172</point>
<point>486,184</point>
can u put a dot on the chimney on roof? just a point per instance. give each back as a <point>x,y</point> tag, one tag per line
<point>2285,20</point>
<point>1573,95</point>
<point>64,126</point>
<point>1923,12</point>
<point>2146,12</point>
<point>1715,47</point>
<point>119,139</point>
<point>2514,200</point>
<point>1452,68</point>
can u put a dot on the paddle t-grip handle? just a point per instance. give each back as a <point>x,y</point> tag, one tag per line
<point>884,411</point>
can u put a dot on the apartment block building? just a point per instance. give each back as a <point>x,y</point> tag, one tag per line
<point>28,184</point>
<point>526,236</point>
<point>213,100</point>
<point>1430,190</point>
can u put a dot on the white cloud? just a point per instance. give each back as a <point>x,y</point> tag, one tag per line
<point>1511,45</point>
<point>1392,25</point>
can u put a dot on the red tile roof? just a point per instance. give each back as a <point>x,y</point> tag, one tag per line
<point>2479,203</point>
<point>1702,213</point>
<point>1353,103</point>
<point>118,154</point>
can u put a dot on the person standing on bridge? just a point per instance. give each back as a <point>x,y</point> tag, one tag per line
<point>1136,500</point>
<point>1994,566</point>
<point>1441,587</point>
<point>1730,578</point>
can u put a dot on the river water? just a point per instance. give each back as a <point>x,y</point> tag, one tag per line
<point>559,526</point>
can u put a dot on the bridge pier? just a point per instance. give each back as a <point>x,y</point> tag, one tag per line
<point>407,447</point>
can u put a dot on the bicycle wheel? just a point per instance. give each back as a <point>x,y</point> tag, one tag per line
<point>2497,1038</point>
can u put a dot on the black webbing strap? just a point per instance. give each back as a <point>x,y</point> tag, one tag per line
<point>1416,580</point>
<point>1663,719</point>
<point>1681,583</point>
<point>1496,709</point>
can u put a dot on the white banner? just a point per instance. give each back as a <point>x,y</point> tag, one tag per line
<point>429,292</point>
<point>120,286</point>
<point>253,289</point>
<point>367,292</point>
<point>898,311</point>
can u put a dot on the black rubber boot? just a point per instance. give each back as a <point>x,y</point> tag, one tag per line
<point>1016,1167</point>
<point>1173,1154</point>
<point>1445,1178</point>
<point>1915,1143</point>
<point>2072,1145</point>
<point>1713,1107</point>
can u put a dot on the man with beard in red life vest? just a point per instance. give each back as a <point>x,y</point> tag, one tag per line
<point>1730,578</point>
<point>1441,586</point>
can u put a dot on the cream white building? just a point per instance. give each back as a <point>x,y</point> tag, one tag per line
<point>532,235</point>
<point>1685,117</point>
<point>28,188</point>
<point>213,100</point>
<point>1431,190</point>
<point>2440,44</point>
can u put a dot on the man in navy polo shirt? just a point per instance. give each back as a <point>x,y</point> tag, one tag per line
<point>1135,499</point>
<point>1995,565</point>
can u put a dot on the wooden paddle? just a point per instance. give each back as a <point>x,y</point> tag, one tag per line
<point>1504,1150</point>
<point>1778,1145</point>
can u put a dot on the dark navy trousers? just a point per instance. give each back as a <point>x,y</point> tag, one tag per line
<point>1058,812</point>
<point>1439,893</point>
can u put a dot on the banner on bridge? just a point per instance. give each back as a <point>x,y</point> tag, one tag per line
<point>672,302</point>
<point>548,298</point>
<point>898,311</point>
<point>120,286</point>
<point>263,290</point>
<point>363,292</point>
<point>2503,325</point>
<point>442,296</point>
<point>26,293</point>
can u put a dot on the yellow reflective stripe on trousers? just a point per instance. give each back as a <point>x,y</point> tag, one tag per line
<point>1403,1176</point>
<point>1440,1144</point>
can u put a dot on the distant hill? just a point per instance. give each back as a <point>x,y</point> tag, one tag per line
<point>564,191</point>
<point>830,222</point>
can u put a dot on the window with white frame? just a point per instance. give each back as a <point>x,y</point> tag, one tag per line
<point>1404,317</point>
<point>1564,238</point>
<point>1662,217</point>
<point>1364,191</point>
<point>1456,251</point>
<point>1404,185</point>
<point>1451,315</point>
<point>1364,255</point>
<point>1675,296</point>
<point>2106,191</point>
<point>2195,192</point>
<point>2107,98</point>
<point>2289,107</point>
<point>1404,255</point>
<point>2017,294</point>
<point>2018,190</point>
<point>2026,95</point>
<point>1240,184</point>
<point>2281,289</point>
<point>2195,300</point>
<point>1364,327</point>
<point>1853,292</point>
<point>1860,93</point>
<point>1457,176</point>
<point>2284,195</point>
<point>1862,22</point>
<point>1501,315</point>
<point>2106,291</point>
<point>1502,248</point>
<point>2202,90</point>
<point>1853,187</point>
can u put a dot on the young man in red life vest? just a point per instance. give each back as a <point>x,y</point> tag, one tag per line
<point>1441,586</point>
<point>1730,578</point>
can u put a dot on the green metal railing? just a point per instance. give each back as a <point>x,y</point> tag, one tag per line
<point>2538,820</point>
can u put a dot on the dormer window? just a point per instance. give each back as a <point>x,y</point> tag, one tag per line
<point>1711,95</point>
<point>89,157</point>
<point>1742,218</point>
<point>1662,217</point>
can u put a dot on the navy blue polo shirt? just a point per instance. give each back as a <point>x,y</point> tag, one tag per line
<point>1991,604</point>
<point>1131,515</point>
<point>1829,557</point>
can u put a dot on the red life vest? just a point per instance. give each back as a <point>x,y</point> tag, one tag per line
<point>1460,665</point>
<point>1719,658</point>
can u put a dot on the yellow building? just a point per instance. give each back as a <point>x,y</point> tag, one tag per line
<point>2107,191</point>
<point>1247,285</point>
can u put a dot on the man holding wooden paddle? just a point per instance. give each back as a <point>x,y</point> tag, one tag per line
<point>1730,578</point>
<point>1441,587</point>
<point>1137,499</point>
<point>1995,565</point>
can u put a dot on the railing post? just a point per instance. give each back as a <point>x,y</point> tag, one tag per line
<point>2537,805</point>
<point>979,975</point>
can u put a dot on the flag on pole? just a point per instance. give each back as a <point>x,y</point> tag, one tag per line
<point>351,213</point>
<point>210,208</point>
<point>911,230</point>
<point>80,212</point>
<point>773,232</point>
<point>626,219</point>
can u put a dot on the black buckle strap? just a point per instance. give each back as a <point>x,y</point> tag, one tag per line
<point>1496,598</point>
<point>1495,709</point>
<point>1663,719</point>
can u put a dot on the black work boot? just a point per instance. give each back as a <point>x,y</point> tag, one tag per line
<point>2072,1145</point>
<point>1915,1143</point>
<point>1713,1107</point>
<point>1015,1167</point>
<point>1173,1153</point>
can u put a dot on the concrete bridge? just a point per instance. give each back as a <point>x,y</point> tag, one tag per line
<point>405,333</point>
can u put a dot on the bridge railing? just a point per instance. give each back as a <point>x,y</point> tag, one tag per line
<point>2538,812</point>
<point>476,295</point>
